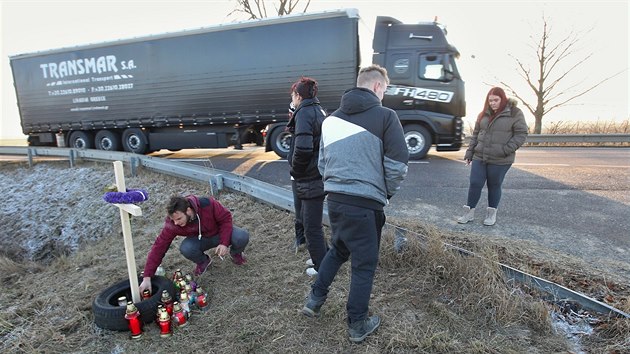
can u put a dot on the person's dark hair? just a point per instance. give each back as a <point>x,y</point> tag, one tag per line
<point>495,91</point>
<point>177,203</point>
<point>305,87</point>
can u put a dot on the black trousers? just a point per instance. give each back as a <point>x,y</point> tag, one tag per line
<point>356,232</point>
<point>308,221</point>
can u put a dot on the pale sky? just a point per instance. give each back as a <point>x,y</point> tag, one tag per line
<point>485,32</point>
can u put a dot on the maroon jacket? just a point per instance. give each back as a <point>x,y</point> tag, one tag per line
<point>215,220</point>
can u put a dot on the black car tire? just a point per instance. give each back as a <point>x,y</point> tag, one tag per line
<point>109,315</point>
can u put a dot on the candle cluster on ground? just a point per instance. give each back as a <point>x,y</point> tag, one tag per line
<point>171,312</point>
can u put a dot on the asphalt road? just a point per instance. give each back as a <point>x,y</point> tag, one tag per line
<point>572,200</point>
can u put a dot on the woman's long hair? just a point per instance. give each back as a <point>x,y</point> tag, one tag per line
<point>495,91</point>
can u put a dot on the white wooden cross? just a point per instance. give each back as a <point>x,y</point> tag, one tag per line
<point>125,210</point>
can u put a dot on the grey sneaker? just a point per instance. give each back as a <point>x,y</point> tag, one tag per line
<point>312,307</point>
<point>357,331</point>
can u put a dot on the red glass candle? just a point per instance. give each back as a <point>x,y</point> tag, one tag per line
<point>179,317</point>
<point>169,308</point>
<point>184,303</point>
<point>132,315</point>
<point>160,308</point>
<point>164,321</point>
<point>201,299</point>
<point>167,302</point>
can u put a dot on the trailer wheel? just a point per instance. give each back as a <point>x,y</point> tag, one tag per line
<point>418,141</point>
<point>107,140</point>
<point>81,140</point>
<point>281,142</point>
<point>135,141</point>
<point>109,315</point>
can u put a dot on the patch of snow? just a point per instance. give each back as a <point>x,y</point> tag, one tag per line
<point>574,330</point>
<point>48,209</point>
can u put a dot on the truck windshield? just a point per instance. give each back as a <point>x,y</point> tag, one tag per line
<point>436,66</point>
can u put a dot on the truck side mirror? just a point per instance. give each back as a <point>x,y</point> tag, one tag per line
<point>447,75</point>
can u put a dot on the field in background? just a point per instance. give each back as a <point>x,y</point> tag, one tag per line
<point>575,127</point>
<point>13,142</point>
<point>596,127</point>
<point>579,127</point>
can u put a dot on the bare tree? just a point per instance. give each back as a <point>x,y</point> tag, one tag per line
<point>556,60</point>
<point>257,9</point>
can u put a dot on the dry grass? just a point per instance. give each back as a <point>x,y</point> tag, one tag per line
<point>431,299</point>
<point>596,127</point>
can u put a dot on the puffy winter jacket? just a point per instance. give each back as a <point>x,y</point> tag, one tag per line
<point>495,142</point>
<point>306,126</point>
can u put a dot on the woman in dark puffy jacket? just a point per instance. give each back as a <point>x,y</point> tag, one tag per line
<point>499,131</point>
<point>308,187</point>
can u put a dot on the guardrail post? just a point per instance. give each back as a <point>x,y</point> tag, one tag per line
<point>29,153</point>
<point>71,158</point>
<point>134,162</point>
<point>216,184</point>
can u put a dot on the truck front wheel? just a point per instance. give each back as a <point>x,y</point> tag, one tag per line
<point>281,142</point>
<point>418,141</point>
<point>81,140</point>
<point>135,141</point>
<point>107,140</point>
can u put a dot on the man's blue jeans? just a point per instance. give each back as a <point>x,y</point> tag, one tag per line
<point>193,249</point>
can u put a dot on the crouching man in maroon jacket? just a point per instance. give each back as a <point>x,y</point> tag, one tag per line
<point>205,224</point>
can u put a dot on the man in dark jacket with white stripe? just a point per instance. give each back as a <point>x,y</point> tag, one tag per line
<point>363,160</point>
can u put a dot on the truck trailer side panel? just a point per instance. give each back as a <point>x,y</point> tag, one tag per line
<point>237,75</point>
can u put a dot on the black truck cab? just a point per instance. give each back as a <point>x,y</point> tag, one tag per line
<point>426,89</point>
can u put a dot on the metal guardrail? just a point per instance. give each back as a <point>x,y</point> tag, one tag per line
<point>572,138</point>
<point>578,138</point>
<point>280,198</point>
<point>217,179</point>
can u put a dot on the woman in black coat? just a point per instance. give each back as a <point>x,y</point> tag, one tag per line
<point>307,184</point>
